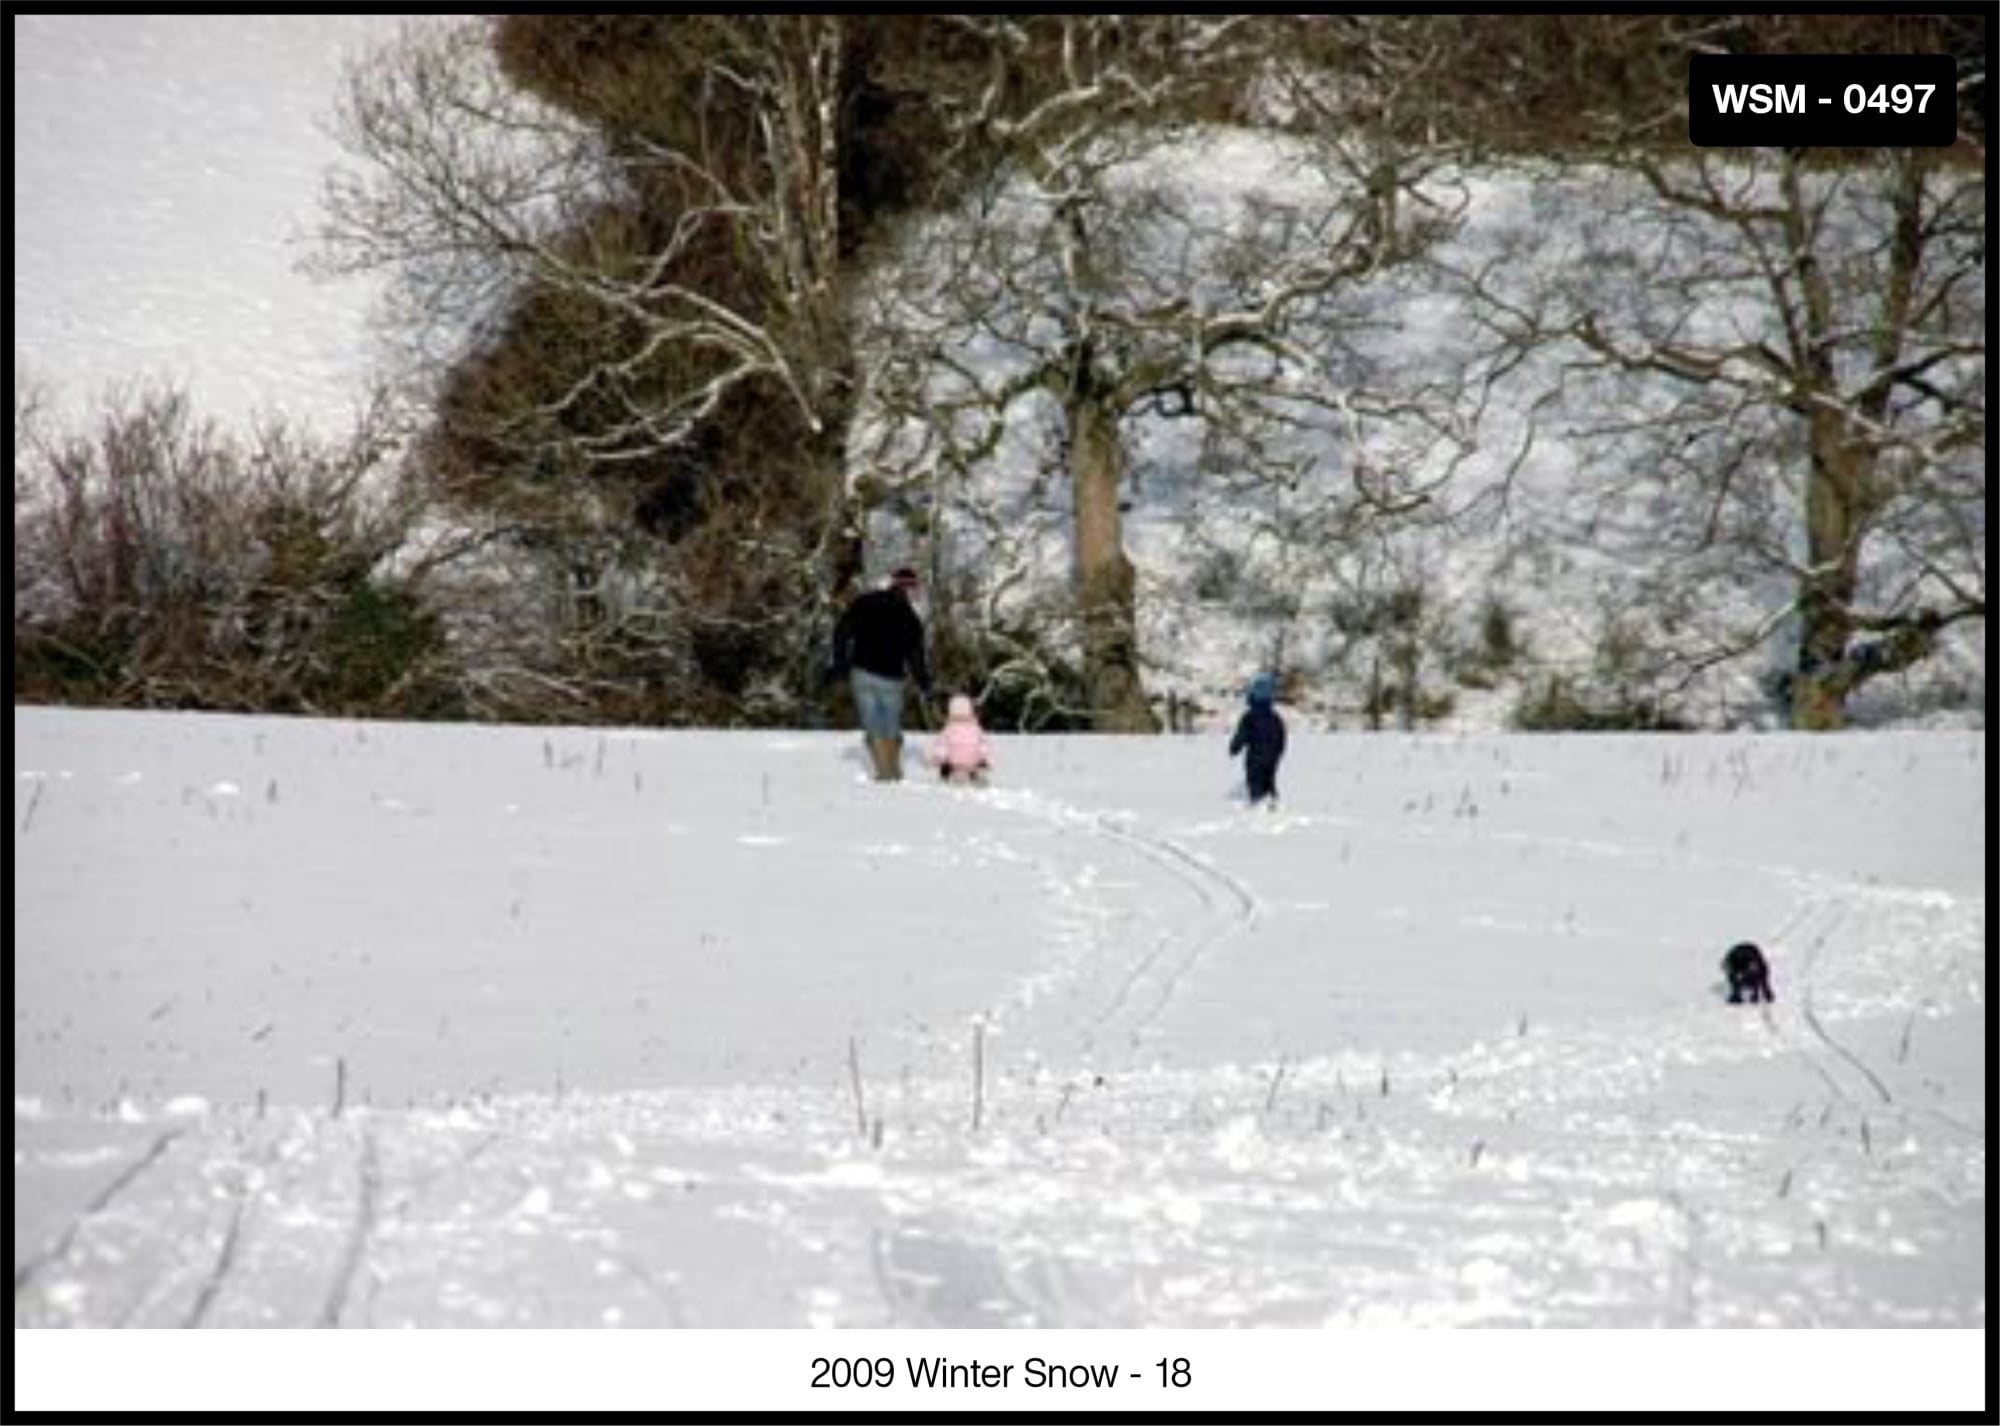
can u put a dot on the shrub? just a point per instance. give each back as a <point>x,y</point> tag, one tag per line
<point>1558,706</point>
<point>1500,643</point>
<point>161,563</point>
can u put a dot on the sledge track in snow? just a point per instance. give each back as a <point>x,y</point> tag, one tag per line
<point>26,1273</point>
<point>1228,907</point>
<point>1837,911</point>
<point>1860,1065</point>
<point>1820,1049</point>
<point>360,1234</point>
<point>1812,1021</point>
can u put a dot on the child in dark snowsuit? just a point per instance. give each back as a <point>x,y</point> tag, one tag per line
<point>1260,735</point>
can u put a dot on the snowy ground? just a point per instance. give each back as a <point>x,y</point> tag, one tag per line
<point>388,1025</point>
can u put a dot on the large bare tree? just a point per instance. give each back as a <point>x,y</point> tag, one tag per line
<point>1802,337</point>
<point>614,251</point>
<point>471,189</point>
<point>1103,271</point>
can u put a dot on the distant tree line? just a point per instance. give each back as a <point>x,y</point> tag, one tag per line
<point>631,262</point>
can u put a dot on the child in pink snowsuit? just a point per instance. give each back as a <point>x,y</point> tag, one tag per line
<point>960,750</point>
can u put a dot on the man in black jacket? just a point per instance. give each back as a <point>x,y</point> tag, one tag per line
<point>877,643</point>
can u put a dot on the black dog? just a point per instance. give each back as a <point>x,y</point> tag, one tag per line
<point>1749,974</point>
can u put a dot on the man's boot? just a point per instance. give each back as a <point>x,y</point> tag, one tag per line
<point>882,756</point>
<point>895,756</point>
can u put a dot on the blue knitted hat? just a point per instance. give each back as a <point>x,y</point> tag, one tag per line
<point>1263,689</point>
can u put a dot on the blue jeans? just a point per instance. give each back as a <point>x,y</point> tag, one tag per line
<point>879,702</point>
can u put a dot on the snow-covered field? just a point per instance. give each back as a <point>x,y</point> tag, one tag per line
<point>386,1025</point>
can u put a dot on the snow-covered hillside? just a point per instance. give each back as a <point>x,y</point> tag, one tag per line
<point>402,1025</point>
<point>167,170</point>
<point>1539,539</point>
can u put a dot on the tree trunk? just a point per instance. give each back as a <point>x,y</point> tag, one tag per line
<point>1835,520</point>
<point>1104,576</point>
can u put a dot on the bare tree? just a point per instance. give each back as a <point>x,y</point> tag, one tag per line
<point>161,563</point>
<point>1111,267</point>
<point>1800,347</point>
<point>661,252</point>
<point>473,189</point>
